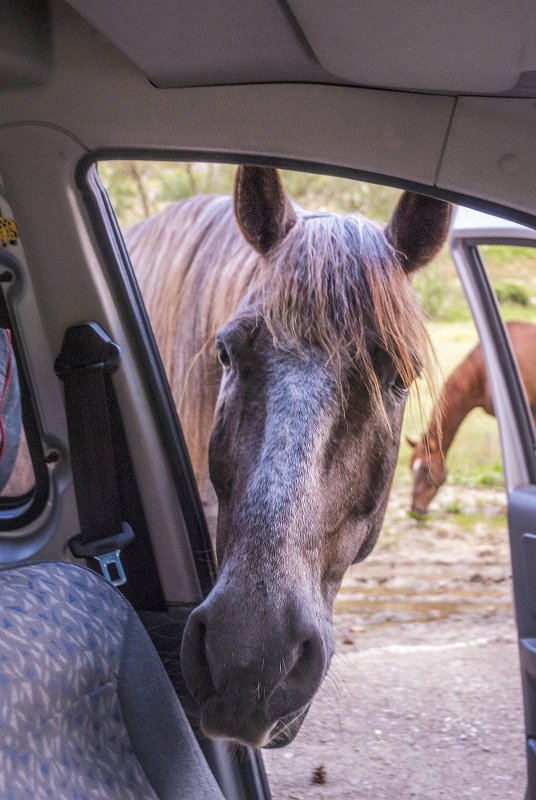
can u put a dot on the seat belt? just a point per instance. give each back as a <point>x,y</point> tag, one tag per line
<point>85,364</point>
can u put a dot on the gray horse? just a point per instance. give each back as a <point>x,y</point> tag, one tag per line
<point>290,339</point>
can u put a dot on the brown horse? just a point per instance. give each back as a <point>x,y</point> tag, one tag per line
<point>466,388</point>
<point>297,336</point>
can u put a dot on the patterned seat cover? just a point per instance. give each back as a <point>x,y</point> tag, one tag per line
<point>62,727</point>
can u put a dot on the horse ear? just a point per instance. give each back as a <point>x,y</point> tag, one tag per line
<point>418,228</point>
<point>263,211</point>
<point>411,442</point>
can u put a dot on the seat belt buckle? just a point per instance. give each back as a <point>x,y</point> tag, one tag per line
<point>107,551</point>
<point>112,568</point>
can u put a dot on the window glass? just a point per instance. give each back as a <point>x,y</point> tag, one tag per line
<point>415,621</point>
<point>22,479</point>
<point>512,270</point>
<point>17,476</point>
<point>20,449</point>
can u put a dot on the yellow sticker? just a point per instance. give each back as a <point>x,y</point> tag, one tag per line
<point>9,233</point>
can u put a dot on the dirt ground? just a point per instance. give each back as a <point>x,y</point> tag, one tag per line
<point>423,698</point>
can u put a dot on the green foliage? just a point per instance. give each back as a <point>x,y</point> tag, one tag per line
<point>510,292</point>
<point>139,189</point>
<point>439,291</point>
<point>497,255</point>
<point>325,193</point>
<point>185,179</point>
<point>514,264</point>
<point>467,522</point>
<point>490,477</point>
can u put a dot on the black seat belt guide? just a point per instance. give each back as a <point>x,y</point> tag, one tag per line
<point>87,359</point>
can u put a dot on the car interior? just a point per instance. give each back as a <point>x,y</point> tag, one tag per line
<point>439,100</point>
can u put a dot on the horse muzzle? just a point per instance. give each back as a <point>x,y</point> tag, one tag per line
<point>254,683</point>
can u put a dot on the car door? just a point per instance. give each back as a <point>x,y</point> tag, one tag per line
<point>471,232</point>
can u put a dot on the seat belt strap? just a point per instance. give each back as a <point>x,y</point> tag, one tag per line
<point>87,359</point>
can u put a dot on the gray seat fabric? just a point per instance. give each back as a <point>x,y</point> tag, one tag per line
<point>87,711</point>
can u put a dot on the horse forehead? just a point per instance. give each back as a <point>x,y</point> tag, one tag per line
<point>303,399</point>
<point>299,412</point>
<point>419,453</point>
<point>300,387</point>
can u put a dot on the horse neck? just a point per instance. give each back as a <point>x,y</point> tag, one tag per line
<point>463,391</point>
<point>202,265</point>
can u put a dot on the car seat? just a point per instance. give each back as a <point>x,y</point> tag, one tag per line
<point>87,711</point>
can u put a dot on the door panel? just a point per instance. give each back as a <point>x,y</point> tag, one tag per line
<point>517,439</point>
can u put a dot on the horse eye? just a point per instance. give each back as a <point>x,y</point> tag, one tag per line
<point>399,386</point>
<point>223,356</point>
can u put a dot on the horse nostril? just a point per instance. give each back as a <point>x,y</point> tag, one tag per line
<point>309,664</point>
<point>194,662</point>
<point>304,653</point>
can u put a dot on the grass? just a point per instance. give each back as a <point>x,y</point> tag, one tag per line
<point>467,522</point>
<point>475,456</point>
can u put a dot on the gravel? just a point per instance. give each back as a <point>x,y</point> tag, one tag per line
<point>423,698</point>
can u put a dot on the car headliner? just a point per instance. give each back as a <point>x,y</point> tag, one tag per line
<point>480,47</point>
<point>437,95</point>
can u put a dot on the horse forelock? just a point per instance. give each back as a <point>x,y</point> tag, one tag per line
<point>336,283</point>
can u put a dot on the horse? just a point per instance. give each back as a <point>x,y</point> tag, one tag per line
<point>466,388</point>
<point>297,335</point>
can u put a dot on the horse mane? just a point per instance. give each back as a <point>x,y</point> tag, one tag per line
<point>334,282</point>
<point>193,267</point>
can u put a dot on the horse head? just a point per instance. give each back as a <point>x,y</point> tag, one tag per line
<point>429,469</point>
<point>316,365</point>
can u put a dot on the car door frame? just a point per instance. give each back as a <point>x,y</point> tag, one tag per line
<point>517,434</point>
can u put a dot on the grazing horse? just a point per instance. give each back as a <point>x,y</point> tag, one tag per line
<point>297,336</point>
<point>466,388</point>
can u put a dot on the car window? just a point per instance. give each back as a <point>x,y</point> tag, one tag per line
<point>22,493</point>
<point>139,190</point>
<point>414,621</point>
<point>512,270</point>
